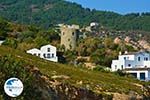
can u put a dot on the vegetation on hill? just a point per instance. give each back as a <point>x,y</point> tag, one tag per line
<point>101,50</point>
<point>98,82</point>
<point>27,37</point>
<point>98,48</point>
<point>16,63</point>
<point>47,13</point>
<point>15,68</point>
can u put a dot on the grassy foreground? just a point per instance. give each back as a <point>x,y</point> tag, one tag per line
<point>96,81</point>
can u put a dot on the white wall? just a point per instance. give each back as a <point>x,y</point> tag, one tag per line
<point>49,55</point>
<point>118,64</point>
<point>131,62</point>
<point>122,61</point>
<point>52,53</point>
<point>1,42</point>
<point>149,75</point>
<point>142,61</point>
<point>138,74</point>
<point>34,51</point>
<point>114,63</point>
<point>146,64</point>
<point>44,49</point>
<point>127,57</point>
<point>139,63</point>
<point>125,60</point>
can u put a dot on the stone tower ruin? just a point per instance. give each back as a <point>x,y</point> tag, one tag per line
<point>69,36</point>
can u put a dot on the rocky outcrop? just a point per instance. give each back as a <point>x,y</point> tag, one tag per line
<point>131,96</point>
<point>144,44</point>
<point>117,40</point>
<point>127,39</point>
<point>53,89</point>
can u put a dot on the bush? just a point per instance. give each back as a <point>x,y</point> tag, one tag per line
<point>9,67</point>
<point>101,69</point>
<point>13,43</point>
<point>4,28</point>
<point>120,73</point>
<point>40,41</point>
<point>81,60</point>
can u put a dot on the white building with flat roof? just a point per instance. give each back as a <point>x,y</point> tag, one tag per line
<point>35,52</point>
<point>136,63</point>
<point>47,52</point>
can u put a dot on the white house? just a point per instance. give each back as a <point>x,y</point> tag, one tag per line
<point>94,24</point>
<point>47,52</point>
<point>136,63</point>
<point>35,52</point>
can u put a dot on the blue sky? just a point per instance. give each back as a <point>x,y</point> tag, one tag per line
<point>119,6</point>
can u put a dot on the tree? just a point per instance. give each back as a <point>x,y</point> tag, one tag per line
<point>4,28</point>
<point>40,41</point>
<point>11,42</point>
<point>26,34</point>
<point>108,42</point>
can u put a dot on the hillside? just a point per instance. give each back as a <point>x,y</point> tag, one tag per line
<point>64,77</point>
<point>94,46</point>
<point>46,13</point>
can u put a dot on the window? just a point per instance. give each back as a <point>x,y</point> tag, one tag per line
<point>48,55</point>
<point>129,65</point>
<point>52,55</point>
<point>73,33</point>
<point>134,74</point>
<point>146,59</point>
<point>63,33</point>
<point>44,55</point>
<point>121,66</point>
<point>68,39</point>
<point>139,58</point>
<point>48,49</point>
<point>124,58</point>
<point>115,66</point>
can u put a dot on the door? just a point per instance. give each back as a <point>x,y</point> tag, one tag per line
<point>142,76</point>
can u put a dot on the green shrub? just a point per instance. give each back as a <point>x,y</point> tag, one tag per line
<point>9,68</point>
<point>11,42</point>
<point>120,73</point>
<point>101,69</point>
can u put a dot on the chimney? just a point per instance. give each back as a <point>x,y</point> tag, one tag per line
<point>120,53</point>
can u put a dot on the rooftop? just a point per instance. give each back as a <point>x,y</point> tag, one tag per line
<point>137,69</point>
<point>135,53</point>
